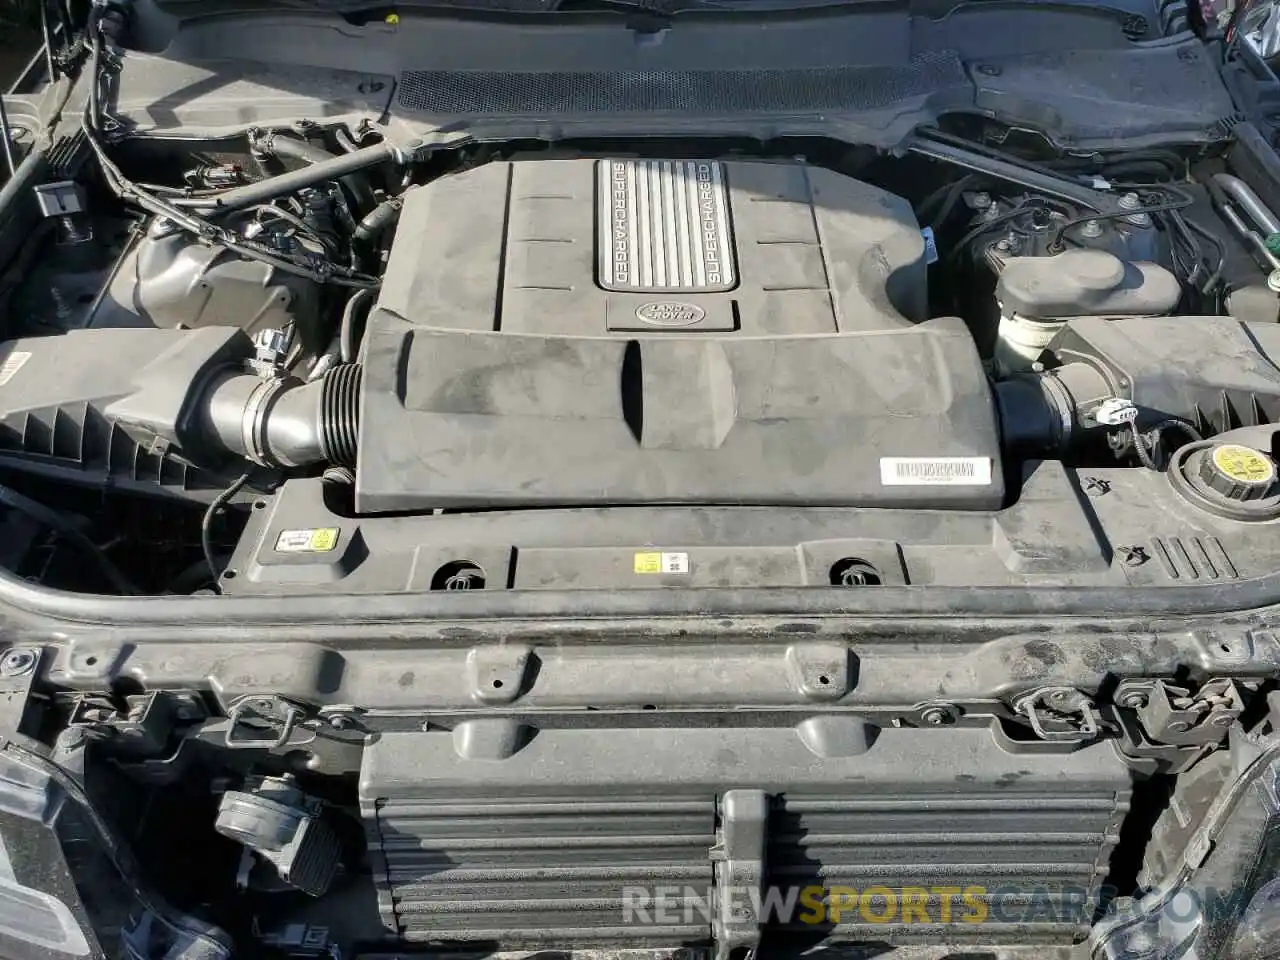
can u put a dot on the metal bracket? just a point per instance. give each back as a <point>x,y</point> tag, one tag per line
<point>19,667</point>
<point>1149,757</point>
<point>1175,716</point>
<point>146,723</point>
<point>1059,714</point>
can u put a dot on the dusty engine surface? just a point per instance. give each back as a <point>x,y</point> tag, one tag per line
<point>622,331</point>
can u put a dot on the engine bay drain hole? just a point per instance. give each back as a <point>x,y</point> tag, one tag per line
<point>458,575</point>
<point>853,572</point>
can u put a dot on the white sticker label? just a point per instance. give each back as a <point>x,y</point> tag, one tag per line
<point>11,365</point>
<point>675,563</point>
<point>930,245</point>
<point>661,563</point>
<point>318,540</point>
<point>935,471</point>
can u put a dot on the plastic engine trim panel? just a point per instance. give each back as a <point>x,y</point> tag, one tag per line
<point>501,369</point>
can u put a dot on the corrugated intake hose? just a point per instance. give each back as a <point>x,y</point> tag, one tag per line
<point>285,423</point>
<point>340,414</point>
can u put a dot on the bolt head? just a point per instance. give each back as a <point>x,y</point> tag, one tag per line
<point>1134,699</point>
<point>1273,281</point>
<point>15,663</point>
<point>1131,201</point>
<point>935,716</point>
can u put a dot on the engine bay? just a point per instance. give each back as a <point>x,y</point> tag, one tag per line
<point>533,364</point>
<point>586,483</point>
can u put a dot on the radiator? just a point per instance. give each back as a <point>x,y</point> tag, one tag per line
<point>627,838</point>
<point>984,865</point>
<point>545,870</point>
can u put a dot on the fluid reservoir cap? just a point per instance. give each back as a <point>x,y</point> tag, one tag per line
<point>1237,472</point>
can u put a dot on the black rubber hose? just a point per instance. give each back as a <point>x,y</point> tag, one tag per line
<point>377,220</point>
<point>65,528</point>
<point>1039,412</point>
<point>333,168</point>
<point>1031,421</point>
<point>353,314</point>
<point>311,153</point>
<point>340,414</point>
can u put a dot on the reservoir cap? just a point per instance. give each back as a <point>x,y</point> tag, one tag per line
<point>1238,473</point>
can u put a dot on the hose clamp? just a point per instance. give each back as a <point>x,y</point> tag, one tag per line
<point>1062,404</point>
<point>253,424</point>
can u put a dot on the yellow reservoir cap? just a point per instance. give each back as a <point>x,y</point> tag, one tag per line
<point>1244,465</point>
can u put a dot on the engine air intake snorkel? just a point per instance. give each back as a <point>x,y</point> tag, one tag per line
<point>283,423</point>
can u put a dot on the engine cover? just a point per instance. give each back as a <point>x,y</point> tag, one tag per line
<point>629,331</point>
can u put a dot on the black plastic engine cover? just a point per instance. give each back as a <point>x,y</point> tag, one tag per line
<point>590,332</point>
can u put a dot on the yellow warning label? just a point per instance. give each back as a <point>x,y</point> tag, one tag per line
<point>648,563</point>
<point>1244,465</point>
<point>665,562</point>
<point>314,540</point>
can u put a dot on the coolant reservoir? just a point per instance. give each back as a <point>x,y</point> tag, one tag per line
<point>1233,476</point>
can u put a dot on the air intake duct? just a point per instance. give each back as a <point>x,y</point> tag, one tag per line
<point>157,411</point>
<point>285,424</point>
<point>1214,374</point>
<point>1040,414</point>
